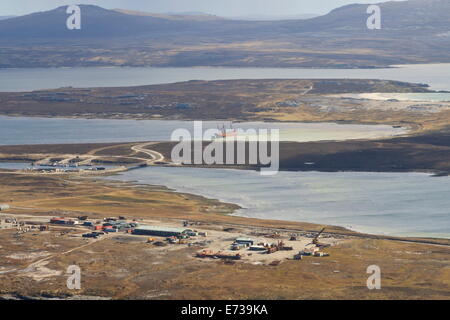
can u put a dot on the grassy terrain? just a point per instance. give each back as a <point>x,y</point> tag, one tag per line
<point>208,100</point>
<point>429,152</point>
<point>123,269</point>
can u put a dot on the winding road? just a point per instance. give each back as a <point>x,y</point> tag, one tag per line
<point>156,156</point>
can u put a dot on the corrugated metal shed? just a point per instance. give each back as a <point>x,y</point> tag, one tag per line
<point>162,228</point>
<point>159,230</point>
<point>244,240</point>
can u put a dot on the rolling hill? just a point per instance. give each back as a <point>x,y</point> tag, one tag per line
<point>414,31</point>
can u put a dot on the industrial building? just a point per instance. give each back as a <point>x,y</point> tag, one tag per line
<point>4,207</point>
<point>63,221</point>
<point>246,241</point>
<point>120,225</point>
<point>160,231</point>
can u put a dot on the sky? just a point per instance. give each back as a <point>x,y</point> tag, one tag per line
<point>226,8</point>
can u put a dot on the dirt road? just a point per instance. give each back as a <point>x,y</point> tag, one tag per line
<point>156,156</point>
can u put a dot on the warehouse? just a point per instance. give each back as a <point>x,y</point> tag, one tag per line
<point>246,241</point>
<point>160,231</point>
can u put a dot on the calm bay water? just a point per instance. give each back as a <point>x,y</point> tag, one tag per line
<point>30,130</point>
<point>401,204</point>
<point>436,75</point>
<point>407,204</point>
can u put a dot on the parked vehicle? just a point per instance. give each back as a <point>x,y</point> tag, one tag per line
<point>89,235</point>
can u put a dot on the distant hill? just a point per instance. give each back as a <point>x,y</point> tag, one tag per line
<point>414,31</point>
<point>96,23</point>
<point>6,17</point>
<point>397,16</point>
<point>422,16</point>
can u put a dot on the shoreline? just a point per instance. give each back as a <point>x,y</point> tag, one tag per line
<point>223,67</point>
<point>110,175</point>
<point>410,128</point>
<point>234,120</point>
<point>287,221</point>
<point>124,168</point>
<point>368,67</point>
<point>230,218</point>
